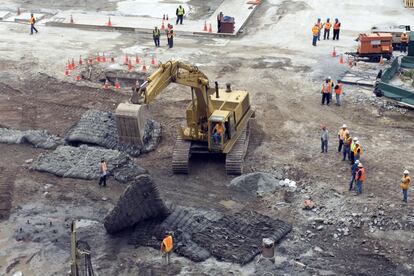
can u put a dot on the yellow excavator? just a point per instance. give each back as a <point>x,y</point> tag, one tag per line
<point>217,120</point>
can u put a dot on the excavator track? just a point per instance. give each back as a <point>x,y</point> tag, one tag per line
<point>181,156</point>
<point>235,158</point>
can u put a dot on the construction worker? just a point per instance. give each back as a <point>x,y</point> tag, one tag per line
<point>320,25</point>
<point>315,33</point>
<point>404,42</point>
<point>357,151</point>
<point>156,36</point>
<point>220,17</point>
<point>103,168</point>
<point>353,144</point>
<point>405,184</point>
<point>336,29</point>
<point>218,132</point>
<point>326,91</point>
<point>338,92</point>
<point>32,22</point>
<point>324,140</point>
<point>343,131</point>
<point>167,246</point>
<point>347,147</point>
<point>327,29</point>
<point>180,14</point>
<point>354,169</point>
<point>170,37</point>
<point>360,178</point>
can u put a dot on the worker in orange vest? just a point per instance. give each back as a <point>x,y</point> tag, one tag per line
<point>343,131</point>
<point>320,25</point>
<point>347,147</point>
<point>32,22</point>
<point>360,178</point>
<point>357,151</point>
<point>336,29</point>
<point>104,172</point>
<point>326,92</point>
<point>167,246</point>
<point>327,29</point>
<point>404,42</point>
<point>338,92</point>
<point>218,132</point>
<point>405,184</point>
<point>315,34</point>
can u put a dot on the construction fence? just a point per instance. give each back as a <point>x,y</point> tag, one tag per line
<point>409,3</point>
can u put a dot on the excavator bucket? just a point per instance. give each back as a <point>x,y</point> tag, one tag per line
<point>130,122</point>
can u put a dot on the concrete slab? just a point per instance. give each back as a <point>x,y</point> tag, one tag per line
<point>23,17</point>
<point>4,14</point>
<point>99,20</point>
<point>358,80</point>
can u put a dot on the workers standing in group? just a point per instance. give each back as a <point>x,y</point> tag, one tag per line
<point>103,168</point>
<point>354,169</point>
<point>156,36</point>
<point>357,151</point>
<point>360,178</point>
<point>404,42</point>
<point>326,92</point>
<point>32,22</point>
<point>320,25</point>
<point>405,184</point>
<point>180,15</point>
<point>353,144</point>
<point>347,147</point>
<point>336,29</point>
<point>327,29</point>
<point>167,245</point>
<point>324,139</point>
<point>343,131</point>
<point>315,34</point>
<point>338,92</point>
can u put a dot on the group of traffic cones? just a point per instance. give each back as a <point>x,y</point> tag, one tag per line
<point>209,29</point>
<point>138,61</point>
<point>71,65</point>
<point>164,18</point>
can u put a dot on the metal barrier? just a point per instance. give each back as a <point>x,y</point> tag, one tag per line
<point>390,72</point>
<point>409,3</point>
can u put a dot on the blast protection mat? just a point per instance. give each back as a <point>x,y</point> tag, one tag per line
<point>99,128</point>
<point>140,201</point>
<point>35,138</point>
<point>199,234</point>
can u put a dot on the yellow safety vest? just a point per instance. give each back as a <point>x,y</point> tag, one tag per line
<point>180,11</point>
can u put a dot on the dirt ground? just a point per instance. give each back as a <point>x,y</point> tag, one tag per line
<point>284,90</point>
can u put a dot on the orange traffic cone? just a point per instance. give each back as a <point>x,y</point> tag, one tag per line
<point>90,61</point>
<point>333,52</point>
<point>68,65</point>
<point>103,57</point>
<point>205,27</point>
<point>117,85</point>
<point>98,58</point>
<point>73,64</point>
<point>106,85</point>
<point>80,60</point>
<point>162,26</point>
<point>137,60</point>
<point>78,77</point>
<point>109,24</point>
<point>67,73</point>
<point>144,68</point>
<point>210,29</point>
<point>152,61</point>
<point>18,11</point>
<point>381,61</point>
<point>341,59</point>
<point>126,59</point>
<point>129,66</point>
<point>71,19</point>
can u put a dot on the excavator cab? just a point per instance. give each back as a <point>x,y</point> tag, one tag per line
<point>220,129</point>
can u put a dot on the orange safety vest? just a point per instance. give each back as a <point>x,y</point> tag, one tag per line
<point>326,87</point>
<point>356,150</point>
<point>167,244</point>
<point>315,30</point>
<point>362,178</point>
<point>405,182</point>
<point>327,26</point>
<point>319,25</point>
<point>337,26</point>
<point>219,128</point>
<point>348,141</point>
<point>339,89</point>
<point>404,38</point>
<point>342,133</point>
<point>32,20</point>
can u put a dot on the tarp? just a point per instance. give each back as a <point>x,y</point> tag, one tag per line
<point>407,62</point>
<point>390,72</point>
<point>397,93</point>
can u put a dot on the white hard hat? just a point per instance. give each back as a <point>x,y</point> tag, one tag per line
<point>360,165</point>
<point>406,172</point>
<point>357,142</point>
<point>329,77</point>
<point>344,126</point>
<point>405,32</point>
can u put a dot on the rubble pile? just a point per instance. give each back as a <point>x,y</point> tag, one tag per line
<point>381,103</point>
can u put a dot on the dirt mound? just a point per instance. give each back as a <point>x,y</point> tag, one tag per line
<point>139,201</point>
<point>199,234</point>
<point>99,128</point>
<point>35,138</point>
<point>83,162</point>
